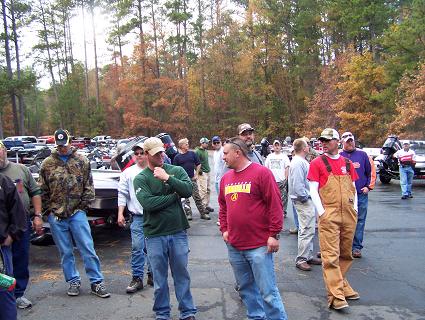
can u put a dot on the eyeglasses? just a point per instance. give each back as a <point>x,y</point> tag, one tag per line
<point>140,153</point>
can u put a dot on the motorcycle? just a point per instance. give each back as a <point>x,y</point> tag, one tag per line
<point>387,166</point>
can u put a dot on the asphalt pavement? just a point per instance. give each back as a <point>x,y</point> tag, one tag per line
<point>390,276</point>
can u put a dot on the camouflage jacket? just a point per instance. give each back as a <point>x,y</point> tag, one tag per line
<point>67,187</point>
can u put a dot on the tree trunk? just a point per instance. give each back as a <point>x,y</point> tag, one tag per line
<point>71,54</point>
<point>9,67</point>
<point>58,60</point>
<point>155,41</point>
<point>142,37</point>
<point>18,71</point>
<point>96,70</point>
<point>86,72</point>
<point>202,58</point>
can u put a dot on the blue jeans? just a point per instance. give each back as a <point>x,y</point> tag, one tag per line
<point>7,298</point>
<point>173,250</point>
<point>75,227</point>
<point>20,253</point>
<point>254,273</point>
<point>406,177</point>
<point>362,201</point>
<point>137,246</point>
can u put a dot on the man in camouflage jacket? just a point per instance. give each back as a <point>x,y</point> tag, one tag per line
<point>67,185</point>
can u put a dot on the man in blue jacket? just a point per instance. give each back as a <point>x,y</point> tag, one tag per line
<point>363,168</point>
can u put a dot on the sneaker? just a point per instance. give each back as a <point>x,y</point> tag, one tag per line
<point>74,289</point>
<point>404,197</point>
<point>136,284</point>
<point>338,304</point>
<point>23,303</point>
<point>357,253</point>
<point>205,216</point>
<point>189,217</point>
<point>293,231</point>
<point>150,279</point>
<point>218,223</point>
<point>410,196</point>
<point>209,209</point>
<point>99,290</point>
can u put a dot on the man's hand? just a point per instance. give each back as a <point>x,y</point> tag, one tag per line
<point>8,241</point>
<point>226,236</point>
<point>365,190</point>
<point>121,219</point>
<point>272,245</point>
<point>37,225</point>
<point>160,174</point>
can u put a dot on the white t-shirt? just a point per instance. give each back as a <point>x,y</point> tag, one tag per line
<point>219,165</point>
<point>277,163</point>
<point>405,156</point>
<point>126,193</point>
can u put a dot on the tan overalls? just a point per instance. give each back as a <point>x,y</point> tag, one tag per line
<point>336,232</point>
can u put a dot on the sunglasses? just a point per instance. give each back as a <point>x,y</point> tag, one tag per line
<point>216,142</point>
<point>140,153</point>
<point>347,136</point>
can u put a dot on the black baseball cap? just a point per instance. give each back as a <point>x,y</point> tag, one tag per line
<point>62,137</point>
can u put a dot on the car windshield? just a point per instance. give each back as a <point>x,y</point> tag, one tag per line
<point>391,143</point>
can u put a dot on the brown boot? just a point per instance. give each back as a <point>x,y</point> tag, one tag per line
<point>205,216</point>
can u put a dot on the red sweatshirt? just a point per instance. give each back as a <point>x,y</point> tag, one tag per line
<point>250,207</point>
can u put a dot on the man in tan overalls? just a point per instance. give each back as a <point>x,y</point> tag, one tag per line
<point>333,193</point>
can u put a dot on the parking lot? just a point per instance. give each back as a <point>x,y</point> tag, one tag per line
<point>390,276</point>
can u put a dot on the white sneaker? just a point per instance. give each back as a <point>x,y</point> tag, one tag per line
<point>23,303</point>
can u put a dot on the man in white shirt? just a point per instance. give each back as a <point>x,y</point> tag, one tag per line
<point>406,161</point>
<point>127,197</point>
<point>278,163</point>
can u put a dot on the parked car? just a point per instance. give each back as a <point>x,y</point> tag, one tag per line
<point>24,139</point>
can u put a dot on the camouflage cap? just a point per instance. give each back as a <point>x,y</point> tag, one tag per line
<point>244,127</point>
<point>204,140</point>
<point>329,134</point>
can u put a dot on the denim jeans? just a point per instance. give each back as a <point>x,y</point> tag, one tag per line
<point>254,273</point>
<point>75,227</point>
<point>406,177</point>
<point>170,250</point>
<point>362,202</point>
<point>7,298</point>
<point>20,253</point>
<point>137,246</point>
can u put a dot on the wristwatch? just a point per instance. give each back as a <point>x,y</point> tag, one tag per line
<point>276,236</point>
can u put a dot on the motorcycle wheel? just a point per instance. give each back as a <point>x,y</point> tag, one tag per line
<point>384,179</point>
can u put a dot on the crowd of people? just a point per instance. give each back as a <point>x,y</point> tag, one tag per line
<point>328,192</point>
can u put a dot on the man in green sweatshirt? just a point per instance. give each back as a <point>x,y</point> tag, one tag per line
<point>159,189</point>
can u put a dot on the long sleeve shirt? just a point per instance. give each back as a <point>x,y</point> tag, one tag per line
<point>126,194</point>
<point>298,186</point>
<point>13,220</point>
<point>250,207</point>
<point>161,201</point>
<point>362,165</point>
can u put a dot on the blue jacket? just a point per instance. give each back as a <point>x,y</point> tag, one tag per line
<point>361,163</point>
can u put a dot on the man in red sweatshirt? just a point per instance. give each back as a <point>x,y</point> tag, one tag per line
<point>250,221</point>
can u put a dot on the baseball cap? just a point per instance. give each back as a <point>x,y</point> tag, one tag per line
<point>329,134</point>
<point>244,127</point>
<point>276,142</point>
<point>153,145</point>
<point>138,145</point>
<point>347,136</point>
<point>61,137</point>
<point>204,140</point>
<point>215,139</point>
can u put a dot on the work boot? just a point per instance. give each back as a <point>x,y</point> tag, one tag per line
<point>74,289</point>
<point>205,216</point>
<point>339,304</point>
<point>209,209</point>
<point>136,284</point>
<point>150,279</point>
<point>189,217</point>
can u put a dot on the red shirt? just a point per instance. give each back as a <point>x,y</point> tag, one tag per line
<point>250,207</point>
<point>319,173</point>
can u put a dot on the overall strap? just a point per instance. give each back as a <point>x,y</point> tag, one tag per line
<point>326,162</point>
<point>347,165</point>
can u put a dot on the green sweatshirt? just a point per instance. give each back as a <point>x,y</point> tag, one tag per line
<point>162,208</point>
